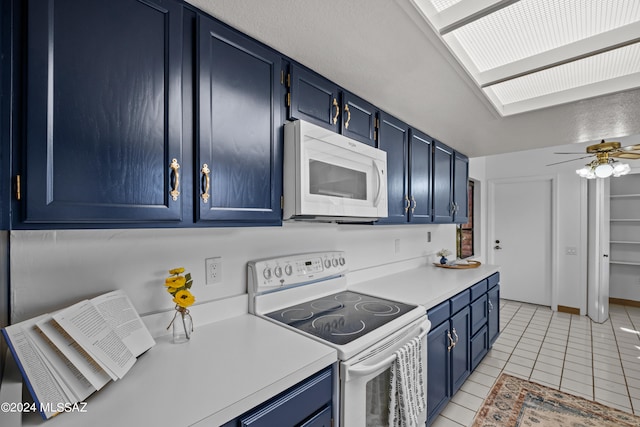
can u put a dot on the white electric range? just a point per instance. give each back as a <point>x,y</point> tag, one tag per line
<point>308,294</point>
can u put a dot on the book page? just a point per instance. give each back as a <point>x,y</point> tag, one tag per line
<point>88,328</point>
<point>78,385</point>
<point>76,355</point>
<point>42,385</point>
<point>118,311</point>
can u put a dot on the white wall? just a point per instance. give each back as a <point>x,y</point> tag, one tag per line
<point>572,227</point>
<point>52,269</point>
<point>569,270</point>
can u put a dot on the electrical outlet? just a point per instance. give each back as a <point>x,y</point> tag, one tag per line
<point>428,237</point>
<point>213,270</point>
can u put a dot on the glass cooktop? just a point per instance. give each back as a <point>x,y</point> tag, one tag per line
<point>343,317</point>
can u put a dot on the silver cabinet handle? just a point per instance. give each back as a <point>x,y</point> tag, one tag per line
<point>490,305</point>
<point>455,335</point>
<point>451,343</point>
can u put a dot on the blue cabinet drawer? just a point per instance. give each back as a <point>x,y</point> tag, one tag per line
<point>293,406</point>
<point>460,301</point>
<point>478,314</point>
<point>438,314</point>
<point>478,289</point>
<point>493,280</point>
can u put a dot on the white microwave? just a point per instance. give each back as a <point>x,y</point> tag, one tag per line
<point>329,177</point>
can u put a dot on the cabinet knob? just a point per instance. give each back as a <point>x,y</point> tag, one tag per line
<point>207,182</point>
<point>335,104</point>
<point>346,122</point>
<point>175,188</point>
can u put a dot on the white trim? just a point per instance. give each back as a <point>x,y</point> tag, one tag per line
<point>554,225</point>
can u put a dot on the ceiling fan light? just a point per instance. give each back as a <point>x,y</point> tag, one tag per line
<point>604,170</point>
<point>584,172</point>
<point>621,169</point>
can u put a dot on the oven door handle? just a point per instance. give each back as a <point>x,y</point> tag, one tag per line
<point>369,369</point>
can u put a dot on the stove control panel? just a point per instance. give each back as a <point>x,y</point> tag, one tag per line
<point>274,273</point>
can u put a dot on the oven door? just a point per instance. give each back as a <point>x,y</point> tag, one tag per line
<point>365,378</point>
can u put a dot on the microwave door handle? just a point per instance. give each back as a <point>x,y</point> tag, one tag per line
<point>379,179</point>
<point>368,369</point>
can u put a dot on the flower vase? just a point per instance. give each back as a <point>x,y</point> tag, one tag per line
<point>443,260</point>
<point>182,326</point>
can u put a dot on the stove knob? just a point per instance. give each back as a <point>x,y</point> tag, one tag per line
<point>327,263</point>
<point>288,270</point>
<point>342,261</point>
<point>267,273</point>
<point>278,271</point>
<point>335,262</point>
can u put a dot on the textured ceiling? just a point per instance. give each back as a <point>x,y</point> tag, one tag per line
<point>383,51</point>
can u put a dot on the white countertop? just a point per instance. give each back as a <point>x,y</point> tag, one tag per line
<point>426,285</point>
<point>227,368</point>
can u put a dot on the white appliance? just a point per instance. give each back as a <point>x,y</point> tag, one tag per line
<point>308,294</point>
<point>329,177</point>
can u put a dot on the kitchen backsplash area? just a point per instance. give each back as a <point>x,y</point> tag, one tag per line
<point>53,269</point>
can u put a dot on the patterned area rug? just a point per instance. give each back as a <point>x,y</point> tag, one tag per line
<point>514,402</point>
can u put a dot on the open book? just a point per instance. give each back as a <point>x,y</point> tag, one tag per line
<point>66,356</point>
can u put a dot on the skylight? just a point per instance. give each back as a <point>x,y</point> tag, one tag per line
<point>532,54</point>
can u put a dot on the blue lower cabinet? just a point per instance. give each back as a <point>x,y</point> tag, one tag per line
<point>307,404</point>
<point>466,326</point>
<point>322,419</point>
<point>493,322</point>
<point>479,347</point>
<point>460,356</point>
<point>438,368</point>
<point>448,364</point>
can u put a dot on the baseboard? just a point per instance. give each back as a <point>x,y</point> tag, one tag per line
<point>570,310</point>
<point>621,301</point>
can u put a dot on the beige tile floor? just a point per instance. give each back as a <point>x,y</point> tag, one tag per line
<point>567,352</point>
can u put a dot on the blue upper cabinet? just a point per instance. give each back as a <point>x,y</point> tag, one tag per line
<point>394,139</point>
<point>239,130</point>
<point>103,112</point>
<point>313,98</point>
<point>408,171</point>
<point>420,148</point>
<point>442,183</point>
<point>460,188</point>
<point>358,119</point>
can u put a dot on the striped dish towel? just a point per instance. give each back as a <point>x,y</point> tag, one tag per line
<point>408,402</point>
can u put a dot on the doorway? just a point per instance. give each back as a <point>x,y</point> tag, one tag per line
<point>521,242</point>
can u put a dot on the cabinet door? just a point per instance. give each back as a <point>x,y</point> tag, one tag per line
<point>393,138</point>
<point>314,99</point>
<point>479,347</point>
<point>442,180</point>
<point>494,314</point>
<point>358,119</point>
<point>461,188</point>
<point>103,111</point>
<point>438,378</point>
<point>460,354</point>
<point>321,419</point>
<point>240,128</point>
<point>305,400</point>
<point>420,147</point>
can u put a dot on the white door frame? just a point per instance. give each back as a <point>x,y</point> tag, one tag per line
<point>554,225</point>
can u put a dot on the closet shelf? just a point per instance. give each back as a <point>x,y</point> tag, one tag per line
<point>625,242</point>
<point>624,262</point>
<point>624,196</point>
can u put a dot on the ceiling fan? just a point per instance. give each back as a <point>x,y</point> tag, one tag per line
<point>605,162</point>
